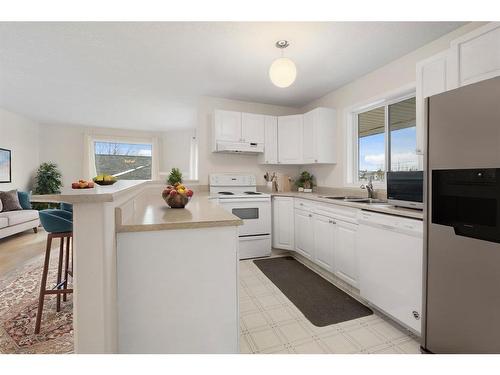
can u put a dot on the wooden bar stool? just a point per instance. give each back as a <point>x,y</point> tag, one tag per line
<point>58,224</point>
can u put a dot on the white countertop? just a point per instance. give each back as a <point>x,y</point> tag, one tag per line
<point>154,214</point>
<point>385,209</point>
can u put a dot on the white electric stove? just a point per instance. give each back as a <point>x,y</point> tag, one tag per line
<point>237,193</point>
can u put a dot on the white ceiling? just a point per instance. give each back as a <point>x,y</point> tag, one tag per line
<point>150,75</point>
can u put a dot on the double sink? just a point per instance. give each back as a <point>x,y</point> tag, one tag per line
<point>371,201</point>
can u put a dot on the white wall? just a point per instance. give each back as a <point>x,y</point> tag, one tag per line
<point>176,151</point>
<point>397,74</point>
<point>210,162</point>
<point>20,135</point>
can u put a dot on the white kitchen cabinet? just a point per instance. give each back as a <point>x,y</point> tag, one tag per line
<point>345,255</point>
<point>324,241</point>
<point>304,238</point>
<point>227,126</point>
<point>475,56</point>
<point>432,79</point>
<point>270,155</point>
<point>283,223</point>
<point>318,136</point>
<point>252,128</point>
<point>290,139</point>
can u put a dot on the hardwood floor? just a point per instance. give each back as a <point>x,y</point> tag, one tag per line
<point>17,249</point>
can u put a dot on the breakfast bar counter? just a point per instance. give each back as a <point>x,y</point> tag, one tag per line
<point>149,278</point>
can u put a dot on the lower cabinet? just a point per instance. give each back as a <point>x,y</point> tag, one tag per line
<point>321,238</point>
<point>346,259</point>
<point>304,239</point>
<point>283,223</point>
<point>328,242</point>
<point>324,241</point>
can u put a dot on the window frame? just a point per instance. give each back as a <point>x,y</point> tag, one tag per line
<point>351,177</point>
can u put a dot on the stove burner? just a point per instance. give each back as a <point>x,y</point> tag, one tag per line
<point>252,193</point>
<point>225,193</point>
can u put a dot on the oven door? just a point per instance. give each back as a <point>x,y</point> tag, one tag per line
<point>255,213</point>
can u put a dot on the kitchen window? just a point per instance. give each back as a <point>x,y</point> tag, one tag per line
<point>385,139</point>
<point>124,160</point>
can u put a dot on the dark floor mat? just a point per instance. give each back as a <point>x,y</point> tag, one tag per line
<point>319,300</point>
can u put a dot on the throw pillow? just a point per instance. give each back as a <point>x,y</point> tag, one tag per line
<point>10,201</point>
<point>24,199</point>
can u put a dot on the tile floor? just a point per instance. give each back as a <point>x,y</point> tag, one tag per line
<point>270,323</point>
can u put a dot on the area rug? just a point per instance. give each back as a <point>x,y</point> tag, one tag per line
<point>18,306</point>
<point>321,302</point>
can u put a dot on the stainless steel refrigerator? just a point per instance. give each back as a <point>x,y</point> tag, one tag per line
<point>462,232</point>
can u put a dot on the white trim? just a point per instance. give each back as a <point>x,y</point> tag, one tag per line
<point>351,136</point>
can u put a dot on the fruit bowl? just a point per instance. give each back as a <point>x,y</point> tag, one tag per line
<point>104,180</point>
<point>177,196</point>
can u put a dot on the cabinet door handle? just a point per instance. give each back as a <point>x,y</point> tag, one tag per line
<point>310,215</point>
<point>315,160</point>
<point>332,222</point>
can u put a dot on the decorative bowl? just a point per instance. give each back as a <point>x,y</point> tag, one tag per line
<point>177,196</point>
<point>104,182</point>
<point>177,201</point>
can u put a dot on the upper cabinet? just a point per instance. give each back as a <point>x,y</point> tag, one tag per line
<point>290,139</point>
<point>319,136</point>
<point>475,56</point>
<point>227,126</point>
<point>294,139</point>
<point>471,58</point>
<point>252,128</point>
<point>237,132</point>
<point>270,155</point>
<point>431,79</point>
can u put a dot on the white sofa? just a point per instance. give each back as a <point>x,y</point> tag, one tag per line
<point>12,222</point>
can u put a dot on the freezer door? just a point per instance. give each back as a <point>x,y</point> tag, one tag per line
<point>462,277</point>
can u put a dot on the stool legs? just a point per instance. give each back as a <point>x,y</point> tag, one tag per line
<point>66,267</point>
<point>59,273</point>
<point>61,286</point>
<point>43,285</point>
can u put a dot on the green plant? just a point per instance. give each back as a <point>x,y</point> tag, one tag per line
<point>174,177</point>
<point>47,181</point>
<point>305,180</point>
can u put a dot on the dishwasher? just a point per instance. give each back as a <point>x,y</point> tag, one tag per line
<point>390,251</point>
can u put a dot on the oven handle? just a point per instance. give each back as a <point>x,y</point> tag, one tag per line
<point>243,200</point>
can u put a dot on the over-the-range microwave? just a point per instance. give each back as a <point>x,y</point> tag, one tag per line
<point>405,189</point>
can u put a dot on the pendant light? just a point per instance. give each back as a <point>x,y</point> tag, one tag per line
<point>282,71</point>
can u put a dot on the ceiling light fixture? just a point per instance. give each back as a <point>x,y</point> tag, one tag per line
<point>282,71</point>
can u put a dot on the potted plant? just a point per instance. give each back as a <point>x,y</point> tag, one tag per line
<point>305,182</point>
<point>47,181</point>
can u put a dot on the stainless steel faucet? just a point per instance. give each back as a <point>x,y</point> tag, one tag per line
<point>369,187</point>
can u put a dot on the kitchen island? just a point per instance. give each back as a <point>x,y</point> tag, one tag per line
<point>150,279</point>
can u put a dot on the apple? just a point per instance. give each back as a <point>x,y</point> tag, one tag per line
<point>90,184</point>
<point>75,185</point>
<point>189,193</point>
<point>172,193</point>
